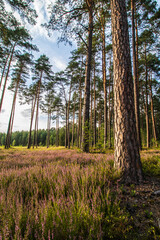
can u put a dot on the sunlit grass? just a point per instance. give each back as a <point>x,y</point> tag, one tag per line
<point>57,193</point>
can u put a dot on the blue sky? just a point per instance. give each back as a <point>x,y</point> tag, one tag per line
<point>58,55</point>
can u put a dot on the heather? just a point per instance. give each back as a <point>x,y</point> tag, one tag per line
<point>66,194</point>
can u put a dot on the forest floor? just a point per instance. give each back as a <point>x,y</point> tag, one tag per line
<point>62,194</point>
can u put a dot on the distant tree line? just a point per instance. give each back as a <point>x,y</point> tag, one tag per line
<point>20,138</point>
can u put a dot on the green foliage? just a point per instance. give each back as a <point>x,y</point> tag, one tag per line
<point>151,166</point>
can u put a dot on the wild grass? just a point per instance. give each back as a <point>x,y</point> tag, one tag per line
<point>60,194</point>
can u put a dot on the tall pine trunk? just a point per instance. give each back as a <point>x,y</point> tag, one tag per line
<point>57,129</point>
<point>48,127</point>
<point>32,115</point>
<point>87,81</point>
<point>35,140</point>
<point>104,83</point>
<point>6,78</point>
<point>126,156</point>
<point>146,99</point>
<point>109,107</point>
<point>79,133</point>
<point>95,128</point>
<point>136,85</point>
<point>73,124</point>
<point>4,68</point>
<point>11,119</point>
<point>66,129</point>
<point>152,111</point>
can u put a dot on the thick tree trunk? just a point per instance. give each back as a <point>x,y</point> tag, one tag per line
<point>127,157</point>
<point>146,100</point>
<point>136,85</point>
<point>87,81</point>
<point>104,83</point>
<point>6,78</point>
<point>32,115</point>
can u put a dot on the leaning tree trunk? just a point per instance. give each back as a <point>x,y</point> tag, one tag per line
<point>6,78</point>
<point>4,68</point>
<point>87,81</point>
<point>127,157</point>
<point>136,85</point>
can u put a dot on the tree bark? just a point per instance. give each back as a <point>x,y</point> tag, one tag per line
<point>146,100</point>
<point>79,134</point>
<point>91,120</point>
<point>32,115</point>
<point>109,107</point>
<point>57,129</point>
<point>4,68</point>
<point>68,114</point>
<point>11,119</point>
<point>104,83</point>
<point>127,157</point>
<point>136,85</point>
<point>152,112</point>
<point>66,130</point>
<point>73,125</point>
<point>6,78</point>
<point>95,128</point>
<point>36,119</point>
<point>48,128</point>
<point>87,81</point>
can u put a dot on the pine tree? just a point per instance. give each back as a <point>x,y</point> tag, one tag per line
<point>127,156</point>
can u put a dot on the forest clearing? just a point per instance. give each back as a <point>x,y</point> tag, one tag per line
<point>80,129</point>
<point>67,194</point>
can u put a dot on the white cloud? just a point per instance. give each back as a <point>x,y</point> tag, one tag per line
<point>42,10</point>
<point>59,63</point>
